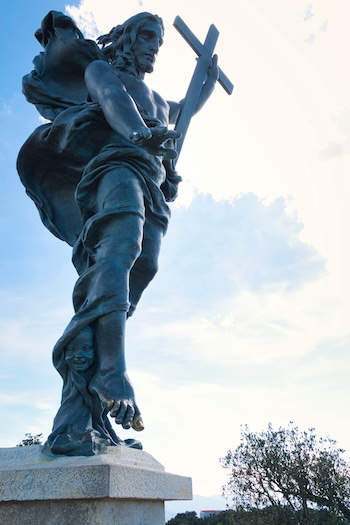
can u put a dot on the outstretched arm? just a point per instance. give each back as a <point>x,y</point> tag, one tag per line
<point>118,107</point>
<point>120,110</point>
<point>207,89</point>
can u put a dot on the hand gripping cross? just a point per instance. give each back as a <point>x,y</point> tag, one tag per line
<point>204,52</point>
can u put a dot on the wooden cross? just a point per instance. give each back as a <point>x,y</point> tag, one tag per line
<point>204,52</point>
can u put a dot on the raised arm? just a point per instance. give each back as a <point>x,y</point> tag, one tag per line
<point>207,89</point>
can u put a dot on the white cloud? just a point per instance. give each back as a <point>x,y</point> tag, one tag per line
<point>32,332</point>
<point>85,19</point>
<point>248,329</point>
<point>27,411</point>
<point>6,108</point>
<point>308,13</point>
<point>228,246</point>
<point>28,399</point>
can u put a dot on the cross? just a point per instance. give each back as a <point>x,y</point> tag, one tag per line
<point>204,52</point>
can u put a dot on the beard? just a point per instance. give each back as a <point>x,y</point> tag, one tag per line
<point>144,66</point>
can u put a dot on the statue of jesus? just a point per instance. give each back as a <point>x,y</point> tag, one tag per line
<point>100,173</point>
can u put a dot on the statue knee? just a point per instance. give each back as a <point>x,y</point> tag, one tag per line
<point>147,267</point>
<point>120,254</point>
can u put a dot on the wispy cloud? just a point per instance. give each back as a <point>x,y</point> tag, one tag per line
<point>5,108</point>
<point>308,13</point>
<point>340,145</point>
<point>222,248</point>
<point>84,19</point>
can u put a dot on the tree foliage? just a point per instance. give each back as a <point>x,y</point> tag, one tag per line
<point>288,467</point>
<point>30,440</point>
<point>185,518</point>
<point>272,515</point>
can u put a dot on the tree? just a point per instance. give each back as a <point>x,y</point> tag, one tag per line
<point>288,467</point>
<point>30,440</point>
<point>184,518</point>
<point>272,515</point>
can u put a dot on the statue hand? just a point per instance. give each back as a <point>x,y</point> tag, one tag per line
<point>213,71</point>
<point>209,84</point>
<point>140,137</point>
<point>154,140</point>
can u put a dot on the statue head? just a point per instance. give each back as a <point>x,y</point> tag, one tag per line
<point>79,353</point>
<point>55,23</point>
<point>133,46</point>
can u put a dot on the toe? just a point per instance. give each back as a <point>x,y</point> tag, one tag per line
<point>137,423</point>
<point>115,408</point>
<point>119,417</point>
<point>129,415</point>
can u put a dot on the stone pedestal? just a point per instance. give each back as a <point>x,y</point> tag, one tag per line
<point>121,487</point>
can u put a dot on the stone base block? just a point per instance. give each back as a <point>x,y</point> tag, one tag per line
<point>82,512</point>
<point>121,487</point>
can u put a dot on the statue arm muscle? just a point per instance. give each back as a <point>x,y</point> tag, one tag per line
<point>119,109</point>
<point>206,91</point>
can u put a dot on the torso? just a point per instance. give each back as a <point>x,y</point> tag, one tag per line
<point>147,101</point>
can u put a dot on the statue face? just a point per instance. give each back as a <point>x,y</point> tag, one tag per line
<point>148,41</point>
<point>79,353</point>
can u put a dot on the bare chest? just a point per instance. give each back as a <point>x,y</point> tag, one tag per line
<point>147,101</point>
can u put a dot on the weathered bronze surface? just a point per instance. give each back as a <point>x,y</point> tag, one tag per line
<point>101,172</point>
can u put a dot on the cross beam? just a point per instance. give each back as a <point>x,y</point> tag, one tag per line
<point>204,52</point>
<point>198,48</point>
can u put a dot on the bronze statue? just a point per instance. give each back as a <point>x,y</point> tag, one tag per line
<point>101,173</point>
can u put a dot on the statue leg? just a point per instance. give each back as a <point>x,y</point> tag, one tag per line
<point>118,250</point>
<point>146,265</point>
<point>117,242</point>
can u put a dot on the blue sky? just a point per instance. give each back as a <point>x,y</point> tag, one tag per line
<point>247,320</point>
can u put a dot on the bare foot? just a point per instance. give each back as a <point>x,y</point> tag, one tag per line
<point>117,394</point>
<point>127,414</point>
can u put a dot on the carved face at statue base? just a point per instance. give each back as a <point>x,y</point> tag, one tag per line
<point>80,353</point>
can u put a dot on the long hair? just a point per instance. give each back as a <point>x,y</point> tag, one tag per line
<point>118,44</point>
